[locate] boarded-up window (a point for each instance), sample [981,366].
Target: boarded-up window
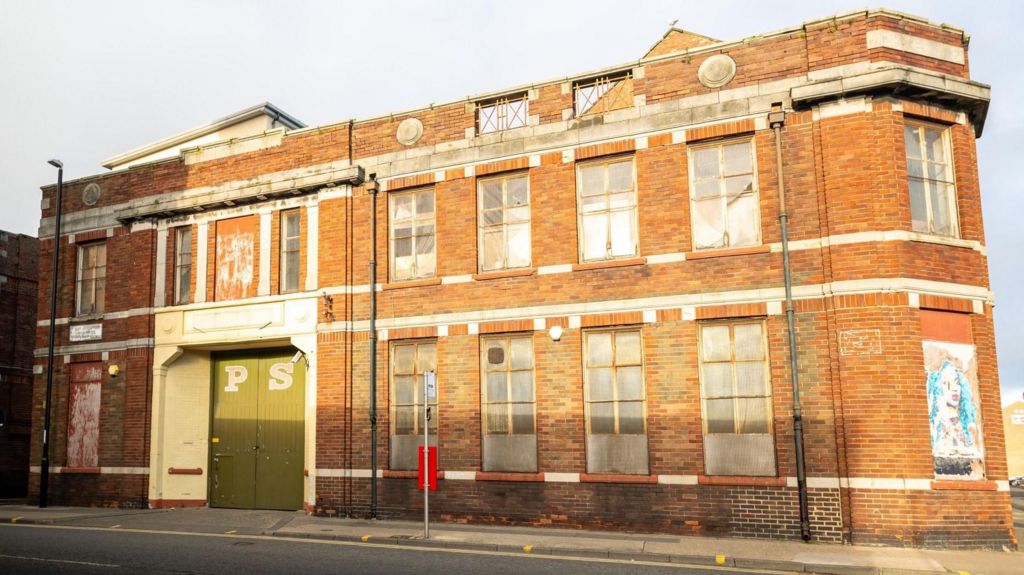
[723,195]
[510,440]
[413,254]
[736,397]
[84,415]
[236,263]
[616,402]
[504,222]
[409,361]
[954,400]
[607,209]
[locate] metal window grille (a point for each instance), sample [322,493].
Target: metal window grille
[502,114]
[587,94]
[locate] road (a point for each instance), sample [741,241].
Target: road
[27,549]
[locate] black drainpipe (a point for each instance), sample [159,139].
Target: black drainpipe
[777,118]
[373,189]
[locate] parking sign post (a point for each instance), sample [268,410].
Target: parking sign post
[429,392]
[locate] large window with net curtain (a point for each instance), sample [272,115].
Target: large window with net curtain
[736,397]
[412,232]
[607,209]
[723,195]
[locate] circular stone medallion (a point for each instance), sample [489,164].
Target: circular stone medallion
[716,71]
[91,194]
[409,131]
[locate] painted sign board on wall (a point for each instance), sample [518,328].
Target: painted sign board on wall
[87,332]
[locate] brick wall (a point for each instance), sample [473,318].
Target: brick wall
[859,272]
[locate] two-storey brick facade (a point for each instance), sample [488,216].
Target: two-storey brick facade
[593,267]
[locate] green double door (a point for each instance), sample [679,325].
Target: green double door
[257,431]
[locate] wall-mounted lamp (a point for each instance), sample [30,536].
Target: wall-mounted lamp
[114,370]
[555,332]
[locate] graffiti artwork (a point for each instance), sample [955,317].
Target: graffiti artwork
[951,372]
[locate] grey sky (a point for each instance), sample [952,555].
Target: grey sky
[83,81]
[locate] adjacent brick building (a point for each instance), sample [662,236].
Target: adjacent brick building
[593,267]
[18,291]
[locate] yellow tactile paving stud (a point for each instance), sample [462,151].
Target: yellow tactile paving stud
[720,559]
[365,538]
[528,548]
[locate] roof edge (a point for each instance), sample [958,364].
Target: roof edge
[266,108]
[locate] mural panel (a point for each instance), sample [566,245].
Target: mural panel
[954,410]
[236,264]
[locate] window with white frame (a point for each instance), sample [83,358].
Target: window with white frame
[413,254]
[615,401]
[92,278]
[504,222]
[502,113]
[607,209]
[510,442]
[737,399]
[410,360]
[182,264]
[289,268]
[930,177]
[723,195]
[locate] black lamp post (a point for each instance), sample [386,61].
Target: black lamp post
[44,471]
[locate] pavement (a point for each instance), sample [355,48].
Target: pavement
[784,556]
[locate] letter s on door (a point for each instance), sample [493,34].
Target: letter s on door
[281,376]
[236,374]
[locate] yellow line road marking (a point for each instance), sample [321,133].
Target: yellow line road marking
[365,538]
[964,573]
[724,569]
[720,559]
[528,548]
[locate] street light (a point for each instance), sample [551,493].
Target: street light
[44,471]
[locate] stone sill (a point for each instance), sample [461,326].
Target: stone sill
[609,264]
[614,478]
[509,476]
[961,485]
[522,272]
[411,284]
[741,480]
[726,252]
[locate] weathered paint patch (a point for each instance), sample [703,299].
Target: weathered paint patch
[84,424]
[235,264]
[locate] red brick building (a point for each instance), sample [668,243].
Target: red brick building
[19,267]
[595,269]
